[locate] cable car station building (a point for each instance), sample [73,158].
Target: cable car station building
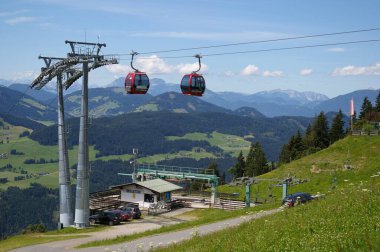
[147,192]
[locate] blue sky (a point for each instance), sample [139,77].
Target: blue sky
[30,28]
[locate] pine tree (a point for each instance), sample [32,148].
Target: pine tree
[285,154]
[297,146]
[337,128]
[250,162]
[239,168]
[260,164]
[366,108]
[293,150]
[377,107]
[213,167]
[321,129]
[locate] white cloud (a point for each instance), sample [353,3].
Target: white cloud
[24,76]
[353,70]
[153,65]
[249,70]
[275,73]
[229,73]
[188,68]
[12,13]
[336,49]
[19,20]
[156,65]
[118,68]
[306,71]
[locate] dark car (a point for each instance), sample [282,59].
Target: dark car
[302,197]
[108,218]
[125,216]
[133,211]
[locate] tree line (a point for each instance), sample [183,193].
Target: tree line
[253,165]
[368,113]
[319,135]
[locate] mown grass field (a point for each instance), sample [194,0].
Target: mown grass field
[19,241]
[347,219]
[323,170]
[228,143]
[47,174]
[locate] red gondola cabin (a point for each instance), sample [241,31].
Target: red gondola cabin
[193,84]
[137,83]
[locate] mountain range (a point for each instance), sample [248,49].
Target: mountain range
[113,100]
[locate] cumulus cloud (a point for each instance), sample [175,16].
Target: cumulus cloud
[12,13]
[156,65]
[306,71]
[229,73]
[249,70]
[355,71]
[24,76]
[188,68]
[336,49]
[275,73]
[19,20]
[118,69]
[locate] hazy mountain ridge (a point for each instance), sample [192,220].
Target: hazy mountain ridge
[21,105]
[113,100]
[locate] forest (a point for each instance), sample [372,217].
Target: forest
[147,131]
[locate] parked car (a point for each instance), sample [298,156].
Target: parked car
[125,216]
[133,211]
[302,197]
[108,218]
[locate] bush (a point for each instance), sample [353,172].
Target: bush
[24,134]
[34,228]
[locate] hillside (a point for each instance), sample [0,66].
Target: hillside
[346,220]
[343,101]
[39,95]
[147,131]
[179,103]
[105,102]
[248,111]
[22,105]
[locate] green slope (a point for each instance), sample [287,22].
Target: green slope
[47,173]
[346,220]
[323,170]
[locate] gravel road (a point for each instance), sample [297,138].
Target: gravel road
[145,243]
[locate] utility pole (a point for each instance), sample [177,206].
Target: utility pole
[88,55]
[65,200]
[83,190]
[135,153]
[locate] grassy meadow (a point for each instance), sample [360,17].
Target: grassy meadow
[347,219]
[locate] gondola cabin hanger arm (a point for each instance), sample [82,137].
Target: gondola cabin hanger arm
[136,82]
[194,83]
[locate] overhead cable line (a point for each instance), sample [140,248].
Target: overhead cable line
[259,41]
[266,50]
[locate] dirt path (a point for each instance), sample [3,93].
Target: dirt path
[145,243]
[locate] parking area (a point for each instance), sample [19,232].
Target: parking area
[146,222]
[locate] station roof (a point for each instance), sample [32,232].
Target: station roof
[156,185]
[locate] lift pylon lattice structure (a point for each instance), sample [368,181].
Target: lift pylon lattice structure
[86,54]
[164,171]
